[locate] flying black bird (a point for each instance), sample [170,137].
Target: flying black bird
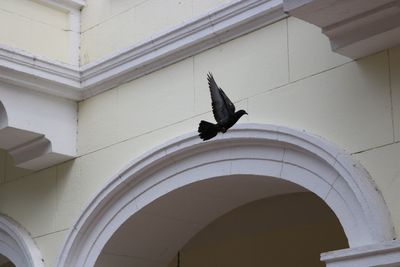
[223,110]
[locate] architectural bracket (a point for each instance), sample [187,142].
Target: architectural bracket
[34,139]
[355,28]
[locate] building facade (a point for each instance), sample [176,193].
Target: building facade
[101,165]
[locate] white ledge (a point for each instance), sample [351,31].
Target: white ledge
[381,254]
[66,4]
[216,27]
[33,72]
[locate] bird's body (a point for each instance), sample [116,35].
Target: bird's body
[223,110]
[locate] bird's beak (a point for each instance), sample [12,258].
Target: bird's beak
[246,113]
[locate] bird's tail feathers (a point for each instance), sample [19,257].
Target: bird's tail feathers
[207,130]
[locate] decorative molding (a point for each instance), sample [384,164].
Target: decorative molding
[17,245]
[72,4]
[37,73]
[355,28]
[355,35]
[378,255]
[247,149]
[216,27]
[66,5]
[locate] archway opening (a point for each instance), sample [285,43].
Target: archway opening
[250,154]
[236,220]
[5,262]
[287,230]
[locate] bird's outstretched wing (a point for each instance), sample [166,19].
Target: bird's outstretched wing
[222,106]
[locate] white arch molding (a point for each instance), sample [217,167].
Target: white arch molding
[17,245]
[247,149]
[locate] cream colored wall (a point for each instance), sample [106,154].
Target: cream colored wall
[31,199]
[282,74]
[110,25]
[284,231]
[34,27]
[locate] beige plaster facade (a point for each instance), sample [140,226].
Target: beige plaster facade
[36,28]
[137,19]
[282,74]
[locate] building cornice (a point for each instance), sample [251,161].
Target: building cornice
[33,72]
[67,5]
[67,81]
[75,4]
[216,27]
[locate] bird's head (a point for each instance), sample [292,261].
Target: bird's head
[240,113]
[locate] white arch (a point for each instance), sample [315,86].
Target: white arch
[17,245]
[250,149]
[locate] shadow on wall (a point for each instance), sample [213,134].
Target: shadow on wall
[288,230]
[375,69]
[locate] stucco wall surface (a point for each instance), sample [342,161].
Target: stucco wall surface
[35,27]
[138,20]
[282,74]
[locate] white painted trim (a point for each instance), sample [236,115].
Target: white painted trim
[17,245]
[72,4]
[66,5]
[186,40]
[331,174]
[381,254]
[33,72]
[216,27]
